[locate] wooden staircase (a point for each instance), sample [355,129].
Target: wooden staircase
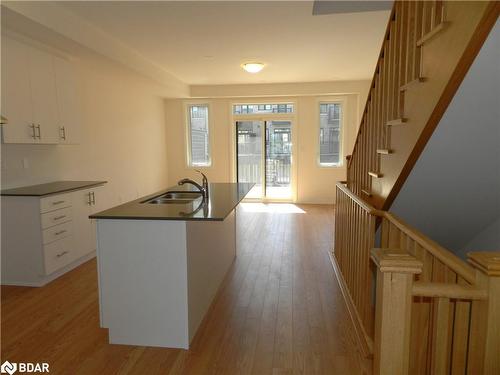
[427,50]
[416,307]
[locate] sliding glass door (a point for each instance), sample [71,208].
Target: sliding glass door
[264,157]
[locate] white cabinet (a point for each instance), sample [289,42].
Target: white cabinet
[43,95]
[42,238]
[39,98]
[69,116]
[16,94]
[85,203]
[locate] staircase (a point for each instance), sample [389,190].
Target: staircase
[415,306]
[427,50]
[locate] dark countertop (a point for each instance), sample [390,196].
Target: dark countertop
[224,197]
[50,188]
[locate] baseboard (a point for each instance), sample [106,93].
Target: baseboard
[365,343]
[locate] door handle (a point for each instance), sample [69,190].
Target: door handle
[90,199]
[93,198]
[61,254]
[39,131]
[63,132]
[33,131]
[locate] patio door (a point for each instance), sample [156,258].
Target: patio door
[264,157]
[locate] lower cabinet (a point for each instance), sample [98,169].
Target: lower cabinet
[44,237]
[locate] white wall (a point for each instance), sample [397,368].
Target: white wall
[123,137]
[314,184]
[453,192]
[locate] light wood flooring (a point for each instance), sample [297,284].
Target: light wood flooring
[279,311]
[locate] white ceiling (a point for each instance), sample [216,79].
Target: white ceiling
[205,42]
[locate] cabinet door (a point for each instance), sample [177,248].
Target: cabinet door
[83,233]
[16,93]
[97,205]
[68,103]
[43,96]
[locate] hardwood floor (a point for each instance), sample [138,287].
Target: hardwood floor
[279,311]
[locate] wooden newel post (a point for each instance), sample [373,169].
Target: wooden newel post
[395,274]
[488,264]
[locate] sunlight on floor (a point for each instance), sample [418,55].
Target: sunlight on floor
[280,208]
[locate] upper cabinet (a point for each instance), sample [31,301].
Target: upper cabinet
[43,96]
[68,102]
[16,94]
[39,98]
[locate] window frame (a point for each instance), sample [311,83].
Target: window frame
[188,143]
[342,103]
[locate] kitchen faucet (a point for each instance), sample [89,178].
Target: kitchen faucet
[202,188]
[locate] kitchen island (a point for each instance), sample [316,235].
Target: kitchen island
[160,264]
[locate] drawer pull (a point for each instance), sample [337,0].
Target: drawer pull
[57,202]
[59,217]
[61,254]
[60,232]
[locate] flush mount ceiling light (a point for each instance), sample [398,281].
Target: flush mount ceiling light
[253,67]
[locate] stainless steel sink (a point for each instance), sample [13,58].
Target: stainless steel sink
[175,197]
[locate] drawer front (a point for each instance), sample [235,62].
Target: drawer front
[57,232]
[59,254]
[56,217]
[55,202]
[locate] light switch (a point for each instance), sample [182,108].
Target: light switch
[25,163]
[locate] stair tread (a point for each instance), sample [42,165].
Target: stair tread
[407,85]
[384,151]
[375,174]
[397,121]
[431,34]
[366,192]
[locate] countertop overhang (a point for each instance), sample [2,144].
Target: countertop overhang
[224,197]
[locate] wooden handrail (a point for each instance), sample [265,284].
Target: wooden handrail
[444,255]
[365,206]
[423,289]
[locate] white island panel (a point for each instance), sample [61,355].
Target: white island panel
[143,282]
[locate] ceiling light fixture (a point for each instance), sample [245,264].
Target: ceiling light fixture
[253,67]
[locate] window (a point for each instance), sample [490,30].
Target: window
[329,134]
[199,141]
[255,109]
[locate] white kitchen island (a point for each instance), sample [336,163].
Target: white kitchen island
[160,265]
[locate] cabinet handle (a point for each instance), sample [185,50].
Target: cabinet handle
[57,202]
[33,132]
[59,217]
[90,199]
[61,254]
[63,132]
[39,131]
[93,198]
[60,232]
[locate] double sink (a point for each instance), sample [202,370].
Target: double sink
[175,197]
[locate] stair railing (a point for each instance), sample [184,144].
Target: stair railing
[416,307]
[427,50]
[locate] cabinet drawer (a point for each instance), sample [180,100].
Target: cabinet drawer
[52,218]
[55,202]
[57,232]
[58,254]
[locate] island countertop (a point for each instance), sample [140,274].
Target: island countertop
[224,197]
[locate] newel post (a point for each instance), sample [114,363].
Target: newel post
[488,265]
[395,274]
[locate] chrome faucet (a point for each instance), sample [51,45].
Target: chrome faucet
[202,188]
